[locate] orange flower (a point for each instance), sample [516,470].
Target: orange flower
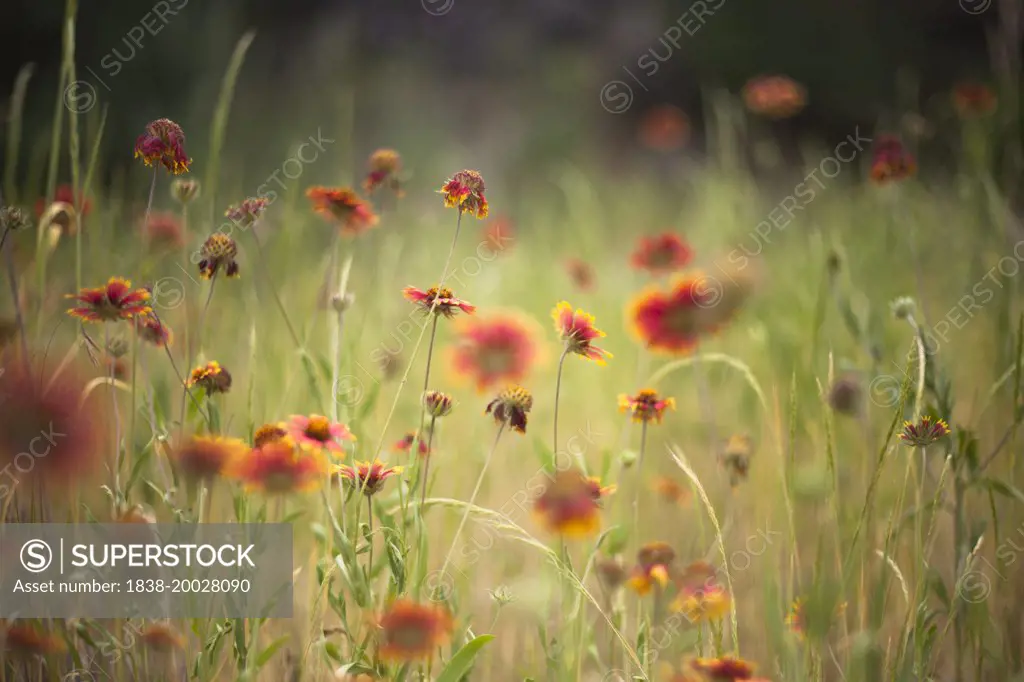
[774,96]
[164,143]
[670,491]
[672,322]
[219,250]
[568,507]
[701,597]
[499,235]
[279,467]
[665,128]
[411,631]
[446,302]
[578,332]
[116,301]
[385,165]
[581,274]
[206,457]
[654,567]
[494,350]
[367,477]
[599,491]
[973,100]
[661,254]
[511,407]
[164,230]
[891,161]
[646,406]
[152,330]
[465,191]
[211,377]
[317,433]
[161,637]
[724,669]
[28,641]
[343,206]
[268,433]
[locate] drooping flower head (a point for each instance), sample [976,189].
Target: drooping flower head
[411,631]
[207,457]
[116,301]
[405,444]
[580,273]
[661,254]
[665,128]
[972,100]
[47,432]
[646,406]
[164,230]
[511,407]
[219,250]
[568,507]
[247,212]
[163,143]
[438,301]
[724,669]
[578,332]
[611,572]
[926,431]
[211,377]
[465,191]
[495,350]
[891,161]
[499,235]
[152,330]
[385,166]
[280,467]
[598,490]
[344,207]
[318,433]
[774,97]
[368,477]
[654,567]
[438,404]
[64,194]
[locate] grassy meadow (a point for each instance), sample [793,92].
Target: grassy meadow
[854,306]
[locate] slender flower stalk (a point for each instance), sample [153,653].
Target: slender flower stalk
[558,391]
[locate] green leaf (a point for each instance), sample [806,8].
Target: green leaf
[462,662]
[1002,488]
[271,649]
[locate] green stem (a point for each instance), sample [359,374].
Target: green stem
[273,290]
[426,466]
[426,386]
[639,484]
[558,391]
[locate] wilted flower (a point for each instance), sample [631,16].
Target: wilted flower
[511,407]
[405,444]
[278,467]
[268,433]
[465,191]
[654,567]
[152,330]
[664,128]
[581,273]
[494,350]
[411,631]
[343,206]
[116,301]
[646,406]
[24,640]
[64,194]
[925,432]
[164,230]
[846,394]
[567,505]
[661,254]
[367,477]
[211,377]
[206,457]
[499,235]
[185,191]
[318,433]
[891,161]
[438,404]
[611,572]
[247,212]
[578,332]
[14,219]
[438,301]
[161,637]
[973,100]
[164,143]
[47,412]
[385,165]
[219,250]
[774,96]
